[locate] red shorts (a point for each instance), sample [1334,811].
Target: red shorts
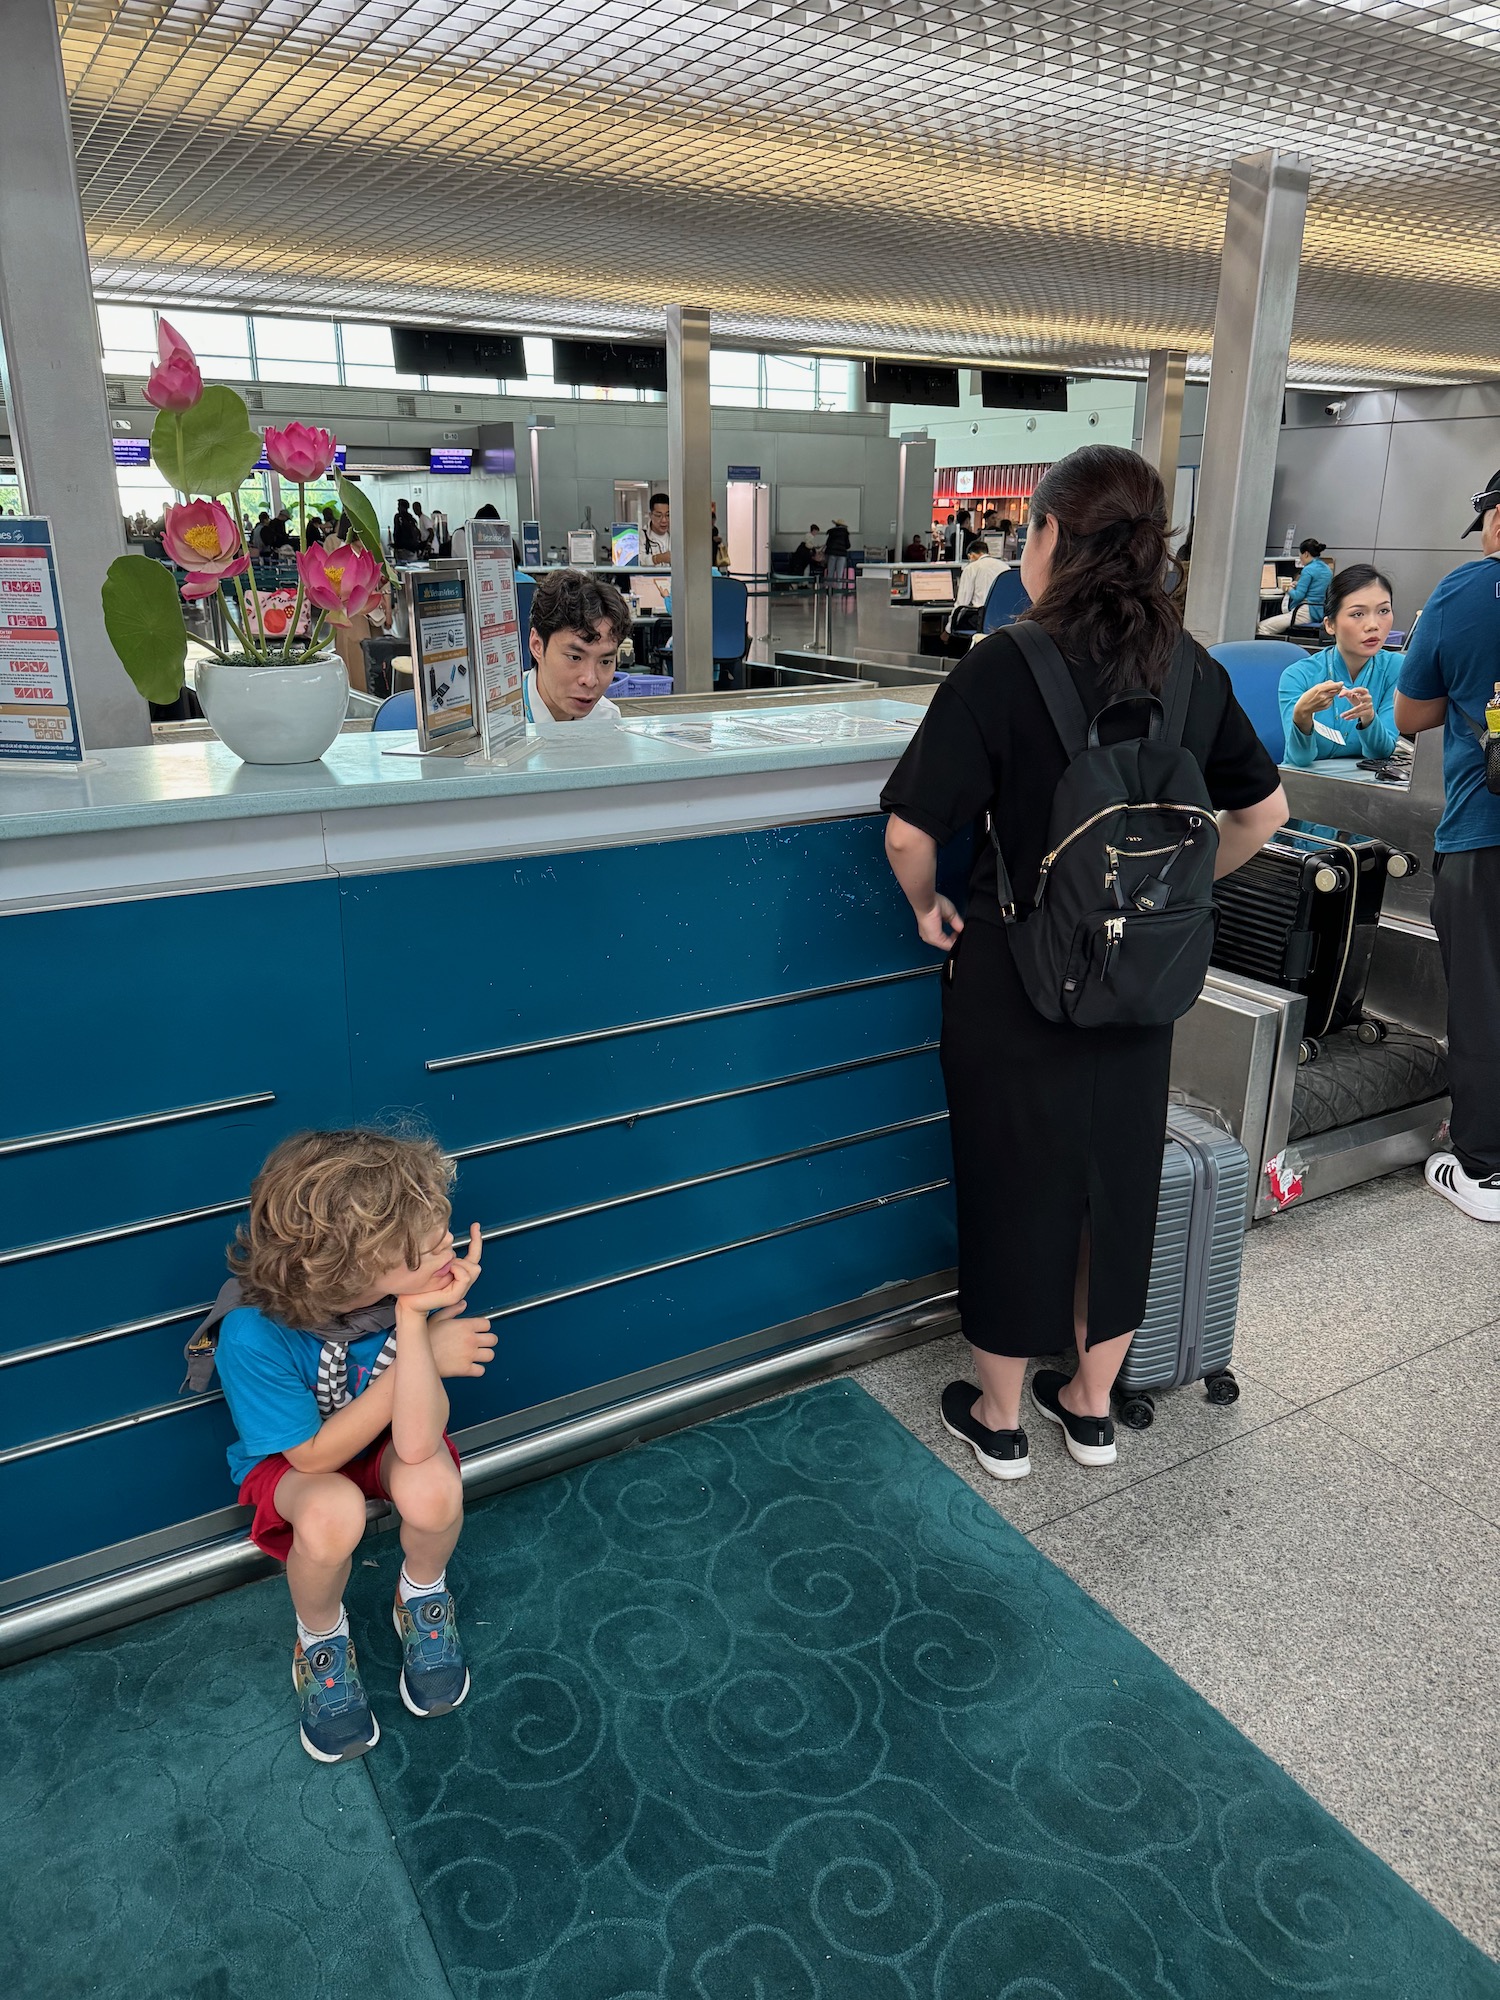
[273,1535]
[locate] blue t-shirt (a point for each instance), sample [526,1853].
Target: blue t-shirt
[269,1375]
[1455,653]
[1311,588]
[1332,734]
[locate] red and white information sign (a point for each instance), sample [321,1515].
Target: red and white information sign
[497,632]
[38,715]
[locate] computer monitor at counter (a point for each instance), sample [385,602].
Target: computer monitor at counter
[931,586]
[1270,582]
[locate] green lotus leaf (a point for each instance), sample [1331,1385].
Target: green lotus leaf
[361,516]
[213,449]
[143,617]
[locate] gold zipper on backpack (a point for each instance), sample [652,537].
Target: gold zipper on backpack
[1194,812]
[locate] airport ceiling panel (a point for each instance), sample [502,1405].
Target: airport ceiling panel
[1043,182]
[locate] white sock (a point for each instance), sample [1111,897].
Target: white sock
[409,1590]
[339,1631]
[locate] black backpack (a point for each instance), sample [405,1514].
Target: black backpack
[1123,921]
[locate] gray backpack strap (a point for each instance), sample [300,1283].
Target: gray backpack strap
[203,1345]
[1050,672]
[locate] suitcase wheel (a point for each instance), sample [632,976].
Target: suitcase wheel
[1371,1032]
[1308,1050]
[1137,1413]
[1221,1388]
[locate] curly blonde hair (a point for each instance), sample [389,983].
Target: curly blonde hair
[331,1211]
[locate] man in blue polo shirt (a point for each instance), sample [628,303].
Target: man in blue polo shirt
[1450,672]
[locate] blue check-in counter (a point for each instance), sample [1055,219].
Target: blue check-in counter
[653,986]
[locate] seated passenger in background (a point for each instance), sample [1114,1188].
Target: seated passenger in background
[1342,702]
[333,1339]
[577,624]
[1304,603]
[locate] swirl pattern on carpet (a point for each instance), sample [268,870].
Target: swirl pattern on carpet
[779,1709]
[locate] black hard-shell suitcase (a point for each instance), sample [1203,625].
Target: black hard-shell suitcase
[1187,1334]
[1303,914]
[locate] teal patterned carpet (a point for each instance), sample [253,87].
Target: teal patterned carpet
[776,1709]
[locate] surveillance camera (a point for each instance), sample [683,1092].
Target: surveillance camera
[1031,423]
[1093,416]
[1333,409]
[973,430]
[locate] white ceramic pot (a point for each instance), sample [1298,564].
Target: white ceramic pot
[275,714]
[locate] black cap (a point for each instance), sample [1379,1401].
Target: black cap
[1491,495]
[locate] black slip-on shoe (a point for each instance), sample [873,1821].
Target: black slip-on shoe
[1003,1454]
[1090,1440]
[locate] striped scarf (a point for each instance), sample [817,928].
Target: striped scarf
[332,1387]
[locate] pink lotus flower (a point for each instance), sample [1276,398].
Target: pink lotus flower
[174,383]
[202,536]
[300,452]
[343,582]
[203,583]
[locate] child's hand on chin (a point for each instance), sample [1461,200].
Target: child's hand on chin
[447,1294]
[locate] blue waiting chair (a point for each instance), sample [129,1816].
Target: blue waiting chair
[1255,667]
[1006,601]
[397,711]
[731,629]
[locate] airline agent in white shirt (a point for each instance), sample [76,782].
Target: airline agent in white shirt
[979,572]
[577,624]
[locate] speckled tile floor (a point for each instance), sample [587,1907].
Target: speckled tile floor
[1318,1559]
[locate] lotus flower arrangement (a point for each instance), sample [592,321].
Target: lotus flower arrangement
[203,444]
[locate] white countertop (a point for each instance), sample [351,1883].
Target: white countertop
[191,816]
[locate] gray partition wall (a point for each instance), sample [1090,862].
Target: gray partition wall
[1386,478]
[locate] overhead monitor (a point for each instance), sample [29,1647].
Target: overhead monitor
[456,350]
[1270,582]
[932,586]
[911,382]
[450,458]
[131,451]
[1022,389]
[609,364]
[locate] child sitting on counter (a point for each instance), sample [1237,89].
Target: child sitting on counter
[333,1338]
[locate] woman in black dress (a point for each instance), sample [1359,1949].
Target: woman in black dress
[1057,1130]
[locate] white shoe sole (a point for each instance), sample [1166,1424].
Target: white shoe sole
[997,1468]
[337,1756]
[407,1702]
[1460,1200]
[1082,1454]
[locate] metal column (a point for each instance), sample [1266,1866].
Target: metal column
[688,486]
[1247,380]
[50,371]
[1165,382]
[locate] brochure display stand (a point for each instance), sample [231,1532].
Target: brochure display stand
[38,712]
[442,669]
[496,623]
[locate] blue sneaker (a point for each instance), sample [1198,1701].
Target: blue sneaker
[434,1677]
[337,1722]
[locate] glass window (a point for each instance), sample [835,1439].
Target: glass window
[368,346]
[791,382]
[296,350]
[835,385]
[221,341]
[466,385]
[127,339]
[368,362]
[734,379]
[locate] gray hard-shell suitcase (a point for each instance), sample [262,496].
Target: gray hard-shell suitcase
[1187,1334]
